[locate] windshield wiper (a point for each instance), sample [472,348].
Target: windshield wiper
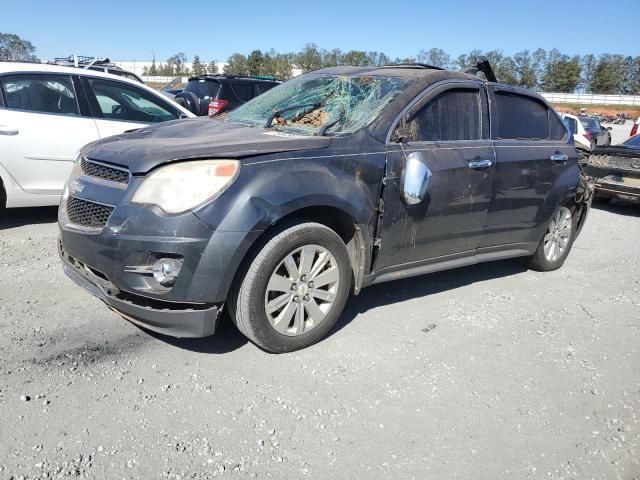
[277,113]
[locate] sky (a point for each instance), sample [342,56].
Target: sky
[142,29]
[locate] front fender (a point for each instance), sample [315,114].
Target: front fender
[264,193]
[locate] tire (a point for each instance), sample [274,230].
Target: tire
[3,197]
[546,260]
[268,281]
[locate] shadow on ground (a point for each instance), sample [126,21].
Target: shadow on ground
[19,217]
[620,207]
[401,290]
[228,338]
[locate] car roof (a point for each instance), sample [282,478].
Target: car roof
[33,67]
[26,67]
[403,71]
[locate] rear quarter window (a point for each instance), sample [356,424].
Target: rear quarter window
[206,89]
[521,118]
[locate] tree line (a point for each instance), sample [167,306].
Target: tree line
[551,71]
[545,70]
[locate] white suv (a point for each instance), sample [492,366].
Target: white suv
[48,112]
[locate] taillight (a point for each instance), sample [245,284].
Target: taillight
[587,135]
[216,106]
[634,130]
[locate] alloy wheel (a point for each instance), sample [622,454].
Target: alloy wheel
[556,240]
[302,290]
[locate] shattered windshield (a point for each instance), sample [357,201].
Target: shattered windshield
[321,104]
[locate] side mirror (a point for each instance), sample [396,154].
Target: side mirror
[415,178]
[609,128]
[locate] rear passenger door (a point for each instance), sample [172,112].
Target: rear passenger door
[532,154]
[449,128]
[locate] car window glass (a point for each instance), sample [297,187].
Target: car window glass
[244,91]
[633,141]
[571,124]
[521,117]
[119,101]
[263,87]
[452,115]
[557,130]
[40,93]
[206,89]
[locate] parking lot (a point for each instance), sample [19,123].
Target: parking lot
[491,371]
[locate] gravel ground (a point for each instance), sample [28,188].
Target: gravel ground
[485,372]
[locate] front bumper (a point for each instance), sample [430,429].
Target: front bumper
[169,318]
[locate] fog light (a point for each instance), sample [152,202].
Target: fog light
[166,271]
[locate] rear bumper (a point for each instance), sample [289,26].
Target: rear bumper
[169,318]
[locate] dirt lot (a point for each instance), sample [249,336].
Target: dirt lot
[485,372]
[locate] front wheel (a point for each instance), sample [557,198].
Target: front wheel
[294,290]
[557,241]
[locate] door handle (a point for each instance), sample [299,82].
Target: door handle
[480,163]
[559,158]
[8,131]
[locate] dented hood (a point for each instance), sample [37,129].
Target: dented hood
[144,149]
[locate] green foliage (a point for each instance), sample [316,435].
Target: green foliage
[14,48]
[539,69]
[197,67]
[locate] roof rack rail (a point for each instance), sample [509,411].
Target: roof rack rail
[272,78]
[483,65]
[413,65]
[80,61]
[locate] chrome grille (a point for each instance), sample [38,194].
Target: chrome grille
[102,171]
[87,214]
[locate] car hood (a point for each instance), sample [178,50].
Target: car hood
[144,149]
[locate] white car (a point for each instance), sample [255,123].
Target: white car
[581,137]
[48,112]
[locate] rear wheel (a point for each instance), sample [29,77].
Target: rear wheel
[294,290]
[557,241]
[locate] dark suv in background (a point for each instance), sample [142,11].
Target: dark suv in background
[333,181]
[214,94]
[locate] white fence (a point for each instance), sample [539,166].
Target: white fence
[591,99]
[163,79]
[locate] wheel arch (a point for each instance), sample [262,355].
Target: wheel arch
[354,235]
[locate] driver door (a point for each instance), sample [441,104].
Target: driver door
[448,130]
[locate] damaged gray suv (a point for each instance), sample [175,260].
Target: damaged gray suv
[333,181]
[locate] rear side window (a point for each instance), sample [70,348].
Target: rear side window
[557,130]
[521,118]
[40,93]
[452,115]
[205,89]
[244,91]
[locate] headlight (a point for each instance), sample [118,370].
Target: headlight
[182,186]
